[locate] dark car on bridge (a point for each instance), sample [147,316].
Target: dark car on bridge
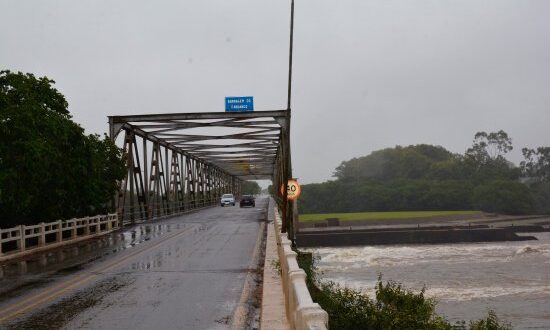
[248,200]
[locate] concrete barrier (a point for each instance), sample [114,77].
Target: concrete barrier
[301,311]
[415,235]
[29,239]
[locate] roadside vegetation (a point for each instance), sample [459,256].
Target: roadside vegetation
[393,307]
[427,177]
[383,215]
[49,168]
[250,188]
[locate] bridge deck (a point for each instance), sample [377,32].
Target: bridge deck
[186,272]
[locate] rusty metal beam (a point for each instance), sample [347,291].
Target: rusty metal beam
[189,169]
[197,115]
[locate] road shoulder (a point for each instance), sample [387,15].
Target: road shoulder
[273,301]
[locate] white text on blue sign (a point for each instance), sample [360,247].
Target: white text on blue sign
[239,103]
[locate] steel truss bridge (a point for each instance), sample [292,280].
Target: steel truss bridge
[183,161]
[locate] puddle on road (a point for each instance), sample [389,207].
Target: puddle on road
[41,269]
[70,269]
[73,258]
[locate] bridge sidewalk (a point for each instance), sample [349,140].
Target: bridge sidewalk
[273,315]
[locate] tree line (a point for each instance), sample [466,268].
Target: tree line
[428,177]
[250,188]
[49,168]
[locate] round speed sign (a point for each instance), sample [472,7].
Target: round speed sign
[293,190]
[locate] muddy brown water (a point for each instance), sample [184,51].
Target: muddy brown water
[511,278]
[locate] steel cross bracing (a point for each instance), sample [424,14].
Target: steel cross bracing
[177,162]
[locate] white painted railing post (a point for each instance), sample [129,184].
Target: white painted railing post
[42,237]
[18,235]
[87,227]
[59,235]
[22,243]
[93,221]
[292,296]
[73,229]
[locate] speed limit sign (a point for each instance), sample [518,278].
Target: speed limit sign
[293,190]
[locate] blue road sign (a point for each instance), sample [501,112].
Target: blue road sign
[239,103]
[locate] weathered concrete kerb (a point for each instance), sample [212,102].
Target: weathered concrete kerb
[301,311]
[273,315]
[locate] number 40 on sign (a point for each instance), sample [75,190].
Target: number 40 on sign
[293,190]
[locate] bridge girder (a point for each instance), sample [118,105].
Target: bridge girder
[189,165]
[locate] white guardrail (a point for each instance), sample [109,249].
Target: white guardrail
[301,311]
[21,240]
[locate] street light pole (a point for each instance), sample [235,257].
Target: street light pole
[290,55]
[288,206]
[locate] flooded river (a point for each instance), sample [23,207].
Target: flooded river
[512,278]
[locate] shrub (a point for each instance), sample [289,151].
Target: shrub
[394,306]
[541,195]
[503,196]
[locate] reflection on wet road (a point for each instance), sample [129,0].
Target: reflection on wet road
[183,273]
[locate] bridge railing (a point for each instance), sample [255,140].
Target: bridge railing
[154,211]
[301,311]
[23,239]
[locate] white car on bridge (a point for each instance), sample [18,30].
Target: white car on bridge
[227,199]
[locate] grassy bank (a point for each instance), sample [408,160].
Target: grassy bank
[393,308]
[384,215]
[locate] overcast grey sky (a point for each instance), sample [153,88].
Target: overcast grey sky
[367,74]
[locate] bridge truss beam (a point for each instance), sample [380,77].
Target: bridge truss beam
[183,161]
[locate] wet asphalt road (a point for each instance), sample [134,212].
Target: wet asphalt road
[186,272]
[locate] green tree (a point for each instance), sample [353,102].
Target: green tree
[503,196]
[250,188]
[536,169]
[426,177]
[537,163]
[489,147]
[49,169]
[541,196]
[451,169]
[411,162]
[485,160]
